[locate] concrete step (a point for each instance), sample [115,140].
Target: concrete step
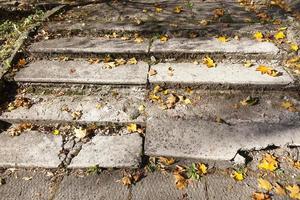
[82,72]
[215,125]
[226,74]
[175,47]
[112,107]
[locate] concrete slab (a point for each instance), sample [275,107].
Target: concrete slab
[30,149]
[204,46]
[223,74]
[110,152]
[93,109]
[88,45]
[82,72]
[162,186]
[192,137]
[94,187]
[16,187]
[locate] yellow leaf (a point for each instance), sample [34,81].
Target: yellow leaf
[297,164]
[238,176]
[279,190]
[166,161]
[120,61]
[55,132]
[248,64]
[294,191]
[131,127]
[258,36]
[126,180]
[142,108]
[269,163]
[294,47]
[268,70]
[171,100]
[289,106]
[279,35]
[209,62]
[178,9]
[223,39]
[164,38]
[139,40]
[202,168]
[187,101]
[156,89]
[180,181]
[264,184]
[158,9]
[132,61]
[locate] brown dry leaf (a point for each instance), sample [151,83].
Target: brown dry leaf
[76,115]
[110,65]
[132,61]
[209,62]
[269,162]
[80,132]
[93,61]
[263,16]
[279,190]
[177,9]
[289,106]
[171,101]
[127,180]
[152,72]
[180,181]
[261,196]
[20,128]
[203,22]
[21,62]
[120,61]
[164,38]
[158,9]
[219,12]
[139,39]
[166,161]
[268,70]
[20,102]
[297,164]
[264,184]
[294,191]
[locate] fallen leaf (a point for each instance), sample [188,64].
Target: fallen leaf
[178,9]
[249,101]
[258,36]
[120,61]
[268,162]
[279,190]
[294,47]
[152,72]
[21,62]
[219,12]
[180,181]
[110,65]
[20,128]
[264,184]
[289,106]
[166,161]
[237,175]
[142,108]
[203,22]
[209,62]
[139,40]
[297,164]
[248,64]
[187,101]
[223,39]
[55,132]
[93,61]
[132,127]
[158,9]
[126,180]
[171,101]
[268,70]
[261,196]
[294,191]
[132,61]
[76,115]
[202,168]
[164,38]
[279,35]
[80,132]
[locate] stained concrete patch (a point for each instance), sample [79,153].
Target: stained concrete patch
[198,45]
[162,186]
[222,74]
[110,151]
[82,72]
[192,137]
[30,149]
[88,45]
[103,186]
[18,187]
[53,109]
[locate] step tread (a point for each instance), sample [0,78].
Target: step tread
[89,45]
[93,109]
[200,139]
[45,71]
[110,151]
[30,149]
[224,73]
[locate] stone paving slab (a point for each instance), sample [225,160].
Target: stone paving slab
[30,149]
[16,188]
[204,46]
[162,186]
[192,137]
[110,152]
[53,109]
[94,187]
[88,45]
[223,74]
[82,72]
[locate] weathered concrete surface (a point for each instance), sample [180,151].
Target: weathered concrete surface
[16,186]
[110,151]
[224,74]
[226,188]
[202,46]
[87,45]
[94,187]
[53,109]
[192,137]
[82,72]
[162,186]
[30,149]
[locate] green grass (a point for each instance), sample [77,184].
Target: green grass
[11,30]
